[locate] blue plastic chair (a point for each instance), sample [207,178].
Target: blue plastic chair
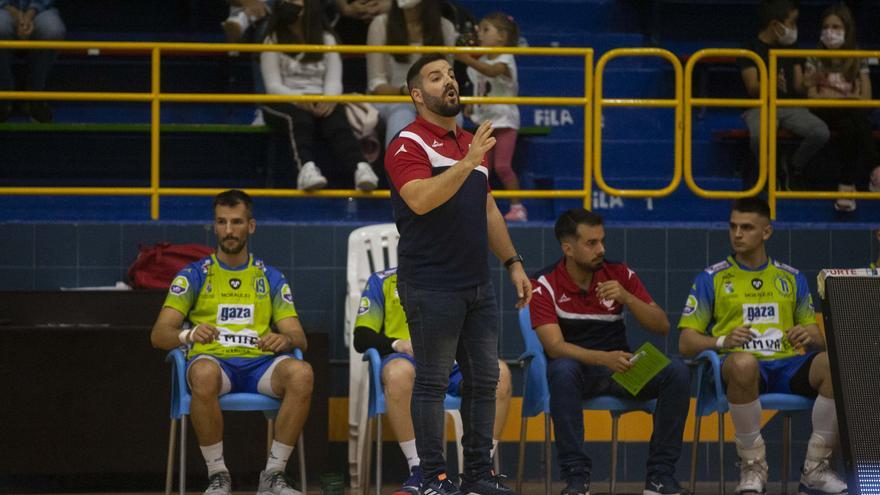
[376,409]
[536,400]
[180,401]
[712,399]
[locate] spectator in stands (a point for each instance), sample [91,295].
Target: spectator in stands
[495,75]
[381,325]
[350,20]
[36,20]
[408,22]
[302,22]
[844,78]
[247,19]
[778,29]
[231,345]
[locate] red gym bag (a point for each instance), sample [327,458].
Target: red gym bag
[156,266]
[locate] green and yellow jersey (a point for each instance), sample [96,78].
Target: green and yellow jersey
[772,299]
[241,302]
[380,309]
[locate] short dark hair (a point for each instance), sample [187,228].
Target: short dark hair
[775,10]
[234,197]
[752,205]
[567,223]
[412,75]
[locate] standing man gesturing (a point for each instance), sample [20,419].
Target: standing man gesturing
[448,221]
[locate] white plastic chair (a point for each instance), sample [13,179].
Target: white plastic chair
[370,249]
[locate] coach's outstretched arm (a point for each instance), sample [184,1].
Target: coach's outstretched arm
[503,249]
[423,195]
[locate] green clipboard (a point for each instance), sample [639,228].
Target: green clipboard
[648,362]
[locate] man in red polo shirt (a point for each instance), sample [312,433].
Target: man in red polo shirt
[577,309]
[448,222]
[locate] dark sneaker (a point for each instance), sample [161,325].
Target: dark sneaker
[493,484]
[662,484]
[40,112]
[275,483]
[439,485]
[219,484]
[576,486]
[411,485]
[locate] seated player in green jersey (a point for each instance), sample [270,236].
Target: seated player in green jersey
[222,308]
[757,313]
[381,324]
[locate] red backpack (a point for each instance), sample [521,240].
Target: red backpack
[156,266]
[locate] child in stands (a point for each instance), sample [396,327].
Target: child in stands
[495,75]
[844,78]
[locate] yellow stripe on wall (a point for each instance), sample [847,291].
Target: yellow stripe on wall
[634,427]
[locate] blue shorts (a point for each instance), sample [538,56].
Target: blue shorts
[454,376]
[251,375]
[786,376]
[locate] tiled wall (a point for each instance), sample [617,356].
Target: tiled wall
[49,256]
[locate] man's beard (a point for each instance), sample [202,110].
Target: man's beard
[440,106]
[590,267]
[235,249]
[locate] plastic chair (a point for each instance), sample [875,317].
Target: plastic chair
[536,400]
[180,401]
[370,249]
[451,404]
[712,399]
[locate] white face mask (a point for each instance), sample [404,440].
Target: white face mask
[788,36]
[405,4]
[833,38]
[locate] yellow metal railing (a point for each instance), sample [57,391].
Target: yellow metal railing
[774,103]
[600,101]
[690,102]
[155,97]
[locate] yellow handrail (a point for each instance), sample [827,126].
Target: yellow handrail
[690,101]
[155,97]
[599,101]
[773,194]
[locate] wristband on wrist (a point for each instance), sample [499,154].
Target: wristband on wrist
[395,341]
[185,335]
[517,258]
[720,342]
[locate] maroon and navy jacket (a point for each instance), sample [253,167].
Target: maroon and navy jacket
[446,248]
[585,320]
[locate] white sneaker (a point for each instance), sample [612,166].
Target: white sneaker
[818,478]
[845,204]
[752,468]
[517,213]
[310,178]
[219,484]
[275,483]
[364,177]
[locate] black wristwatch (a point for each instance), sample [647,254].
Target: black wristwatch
[517,258]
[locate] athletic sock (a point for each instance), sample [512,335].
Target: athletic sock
[409,451]
[824,429]
[747,422]
[213,455]
[278,455]
[494,448]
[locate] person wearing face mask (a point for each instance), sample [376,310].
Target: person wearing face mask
[844,78]
[408,22]
[301,22]
[778,29]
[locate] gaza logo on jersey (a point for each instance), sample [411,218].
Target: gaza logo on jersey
[761,313]
[235,314]
[286,295]
[179,285]
[690,306]
[364,306]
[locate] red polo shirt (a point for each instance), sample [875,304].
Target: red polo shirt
[585,320]
[446,248]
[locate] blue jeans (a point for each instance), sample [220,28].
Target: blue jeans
[446,326]
[47,27]
[571,382]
